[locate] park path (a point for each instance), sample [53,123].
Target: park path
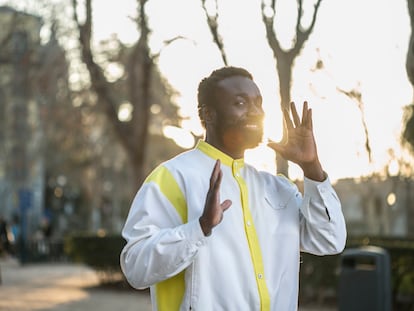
[62,287]
[67,287]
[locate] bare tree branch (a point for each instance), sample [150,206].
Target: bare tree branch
[357,97]
[9,32]
[212,21]
[168,43]
[133,134]
[302,35]
[98,80]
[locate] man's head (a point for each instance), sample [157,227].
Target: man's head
[230,108]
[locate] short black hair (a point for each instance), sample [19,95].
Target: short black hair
[206,88]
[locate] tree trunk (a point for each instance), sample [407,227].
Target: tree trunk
[285,59]
[408,134]
[284,70]
[410,52]
[408,131]
[133,135]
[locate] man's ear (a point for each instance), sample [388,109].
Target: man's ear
[209,114]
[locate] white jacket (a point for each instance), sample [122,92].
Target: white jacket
[251,260]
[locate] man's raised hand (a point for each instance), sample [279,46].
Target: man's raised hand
[300,146]
[213,209]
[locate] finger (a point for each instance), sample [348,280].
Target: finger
[215,174]
[310,126]
[278,148]
[226,204]
[288,121]
[218,181]
[295,115]
[305,112]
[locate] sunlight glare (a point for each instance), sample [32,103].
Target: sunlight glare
[181,137]
[393,168]
[391,199]
[262,158]
[114,71]
[125,112]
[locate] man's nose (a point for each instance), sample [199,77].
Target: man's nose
[255,110]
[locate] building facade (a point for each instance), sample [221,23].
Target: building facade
[22,140]
[378,206]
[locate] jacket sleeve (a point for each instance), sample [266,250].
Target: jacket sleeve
[158,244]
[322,224]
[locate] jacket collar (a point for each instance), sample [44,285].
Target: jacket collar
[214,153]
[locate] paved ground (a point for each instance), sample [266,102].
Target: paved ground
[62,287]
[66,287]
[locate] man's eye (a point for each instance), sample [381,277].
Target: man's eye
[240,103]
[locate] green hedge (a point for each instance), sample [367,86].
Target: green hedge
[98,252]
[318,275]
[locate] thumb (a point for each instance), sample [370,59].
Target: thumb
[226,204]
[278,147]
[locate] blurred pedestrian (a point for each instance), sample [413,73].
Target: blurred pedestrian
[5,245]
[15,231]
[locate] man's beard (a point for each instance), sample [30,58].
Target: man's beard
[248,131]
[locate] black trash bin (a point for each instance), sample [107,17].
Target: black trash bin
[365,280]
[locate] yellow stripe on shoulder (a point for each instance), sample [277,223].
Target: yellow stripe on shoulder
[169,187]
[170,293]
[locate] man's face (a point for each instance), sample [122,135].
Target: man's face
[238,113]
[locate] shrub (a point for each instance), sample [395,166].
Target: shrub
[98,252]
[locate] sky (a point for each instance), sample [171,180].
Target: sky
[362,44]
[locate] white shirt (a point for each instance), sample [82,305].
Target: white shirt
[251,260]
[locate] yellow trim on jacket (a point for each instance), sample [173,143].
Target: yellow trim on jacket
[170,292]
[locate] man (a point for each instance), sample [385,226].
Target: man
[207,231]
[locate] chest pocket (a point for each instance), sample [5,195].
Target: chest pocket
[280,198]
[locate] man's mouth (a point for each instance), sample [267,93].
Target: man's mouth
[252,126]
